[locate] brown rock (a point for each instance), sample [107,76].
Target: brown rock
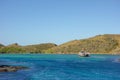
[7,68]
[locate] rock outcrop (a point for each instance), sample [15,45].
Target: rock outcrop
[8,68]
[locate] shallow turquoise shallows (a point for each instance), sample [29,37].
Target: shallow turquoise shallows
[61,67]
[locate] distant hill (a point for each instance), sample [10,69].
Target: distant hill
[12,48]
[108,43]
[16,48]
[38,48]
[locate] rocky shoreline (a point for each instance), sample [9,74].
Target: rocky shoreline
[9,68]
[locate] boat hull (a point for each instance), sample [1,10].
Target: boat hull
[84,54]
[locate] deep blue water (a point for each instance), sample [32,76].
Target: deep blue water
[61,67]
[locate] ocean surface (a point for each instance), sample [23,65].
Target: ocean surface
[61,67]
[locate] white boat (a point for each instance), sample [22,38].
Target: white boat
[86,54]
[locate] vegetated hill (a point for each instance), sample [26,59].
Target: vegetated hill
[38,48]
[15,48]
[12,48]
[108,43]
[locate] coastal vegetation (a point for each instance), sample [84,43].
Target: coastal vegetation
[98,44]
[107,43]
[16,48]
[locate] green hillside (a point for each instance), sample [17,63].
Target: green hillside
[108,43]
[38,48]
[15,48]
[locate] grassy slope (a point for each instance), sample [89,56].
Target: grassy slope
[108,43]
[15,48]
[38,48]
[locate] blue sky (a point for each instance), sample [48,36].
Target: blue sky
[56,21]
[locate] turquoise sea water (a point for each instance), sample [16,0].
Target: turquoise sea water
[61,67]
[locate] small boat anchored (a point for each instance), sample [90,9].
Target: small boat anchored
[86,54]
[83,53]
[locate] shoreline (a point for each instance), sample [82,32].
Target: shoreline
[65,53]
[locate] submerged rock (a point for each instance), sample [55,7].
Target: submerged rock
[8,68]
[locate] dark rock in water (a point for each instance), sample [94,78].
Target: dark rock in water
[8,68]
